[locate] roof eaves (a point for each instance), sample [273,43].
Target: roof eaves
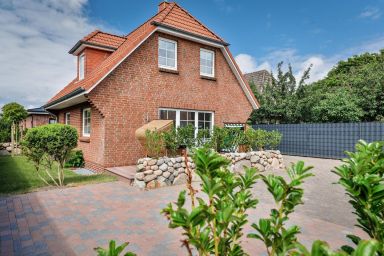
[79,43]
[65,97]
[159,24]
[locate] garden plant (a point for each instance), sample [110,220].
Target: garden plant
[48,145]
[214,224]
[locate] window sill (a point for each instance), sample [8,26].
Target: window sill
[85,139]
[208,77]
[171,71]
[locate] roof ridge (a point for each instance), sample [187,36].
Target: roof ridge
[198,21]
[145,22]
[170,7]
[90,35]
[121,36]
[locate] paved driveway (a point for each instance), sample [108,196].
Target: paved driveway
[73,221]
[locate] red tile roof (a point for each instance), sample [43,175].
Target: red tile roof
[101,38]
[172,16]
[179,18]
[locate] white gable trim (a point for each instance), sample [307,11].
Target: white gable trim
[195,39]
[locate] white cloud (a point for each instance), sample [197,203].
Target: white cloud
[35,36]
[248,64]
[370,13]
[321,64]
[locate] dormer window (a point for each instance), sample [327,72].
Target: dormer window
[81,66]
[167,54]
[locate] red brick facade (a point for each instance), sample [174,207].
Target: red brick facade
[93,58]
[136,90]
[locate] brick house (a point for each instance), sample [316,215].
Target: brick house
[170,67]
[37,117]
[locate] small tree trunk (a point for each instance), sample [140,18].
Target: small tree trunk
[12,138]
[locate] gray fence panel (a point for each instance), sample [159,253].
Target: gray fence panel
[327,140]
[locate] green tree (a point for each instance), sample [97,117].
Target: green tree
[362,76]
[5,130]
[14,113]
[339,105]
[279,100]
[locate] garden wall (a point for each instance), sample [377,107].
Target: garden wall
[166,171]
[7,147]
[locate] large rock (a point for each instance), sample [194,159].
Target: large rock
[160,161]
[162,182]
[140,167]
[139,176]
[166,174]
[255,159]
[150,177]
[148,172]
[181,179]
[158,172]
[154,167]
[163,167]
[238,167]
[152,162]
[139,184]
[275,163]
[260,167]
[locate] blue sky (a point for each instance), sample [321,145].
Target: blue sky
[38,34]
[258,27]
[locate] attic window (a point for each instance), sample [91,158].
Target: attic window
[81,66]
[207,63]
[167,54]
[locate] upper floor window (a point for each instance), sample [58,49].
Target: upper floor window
[81,66]
[86,122]
[167,54]
[207,63]
[68,118]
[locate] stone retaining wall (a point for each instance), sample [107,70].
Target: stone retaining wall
[8,148]
[166,171]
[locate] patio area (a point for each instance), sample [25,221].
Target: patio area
[73,221]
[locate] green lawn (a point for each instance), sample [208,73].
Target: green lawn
[17,175]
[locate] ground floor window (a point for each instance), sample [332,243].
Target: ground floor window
[199,119]
[86,122]
[68,118]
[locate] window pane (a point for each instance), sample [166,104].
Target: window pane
[162,44]
[208,116]
[170,46]
[183,123]
[201,116]
[162,61]
[162,53]
[171,55]
[172,115]
[191,116]
[163,114]
[183,115]
[171,63]
[201,125]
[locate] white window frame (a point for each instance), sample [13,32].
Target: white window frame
[68,120]
[85,134]
[158,55]
[213,62]
[196,117]
[81,66]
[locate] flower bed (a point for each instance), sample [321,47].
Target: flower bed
[167,171]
